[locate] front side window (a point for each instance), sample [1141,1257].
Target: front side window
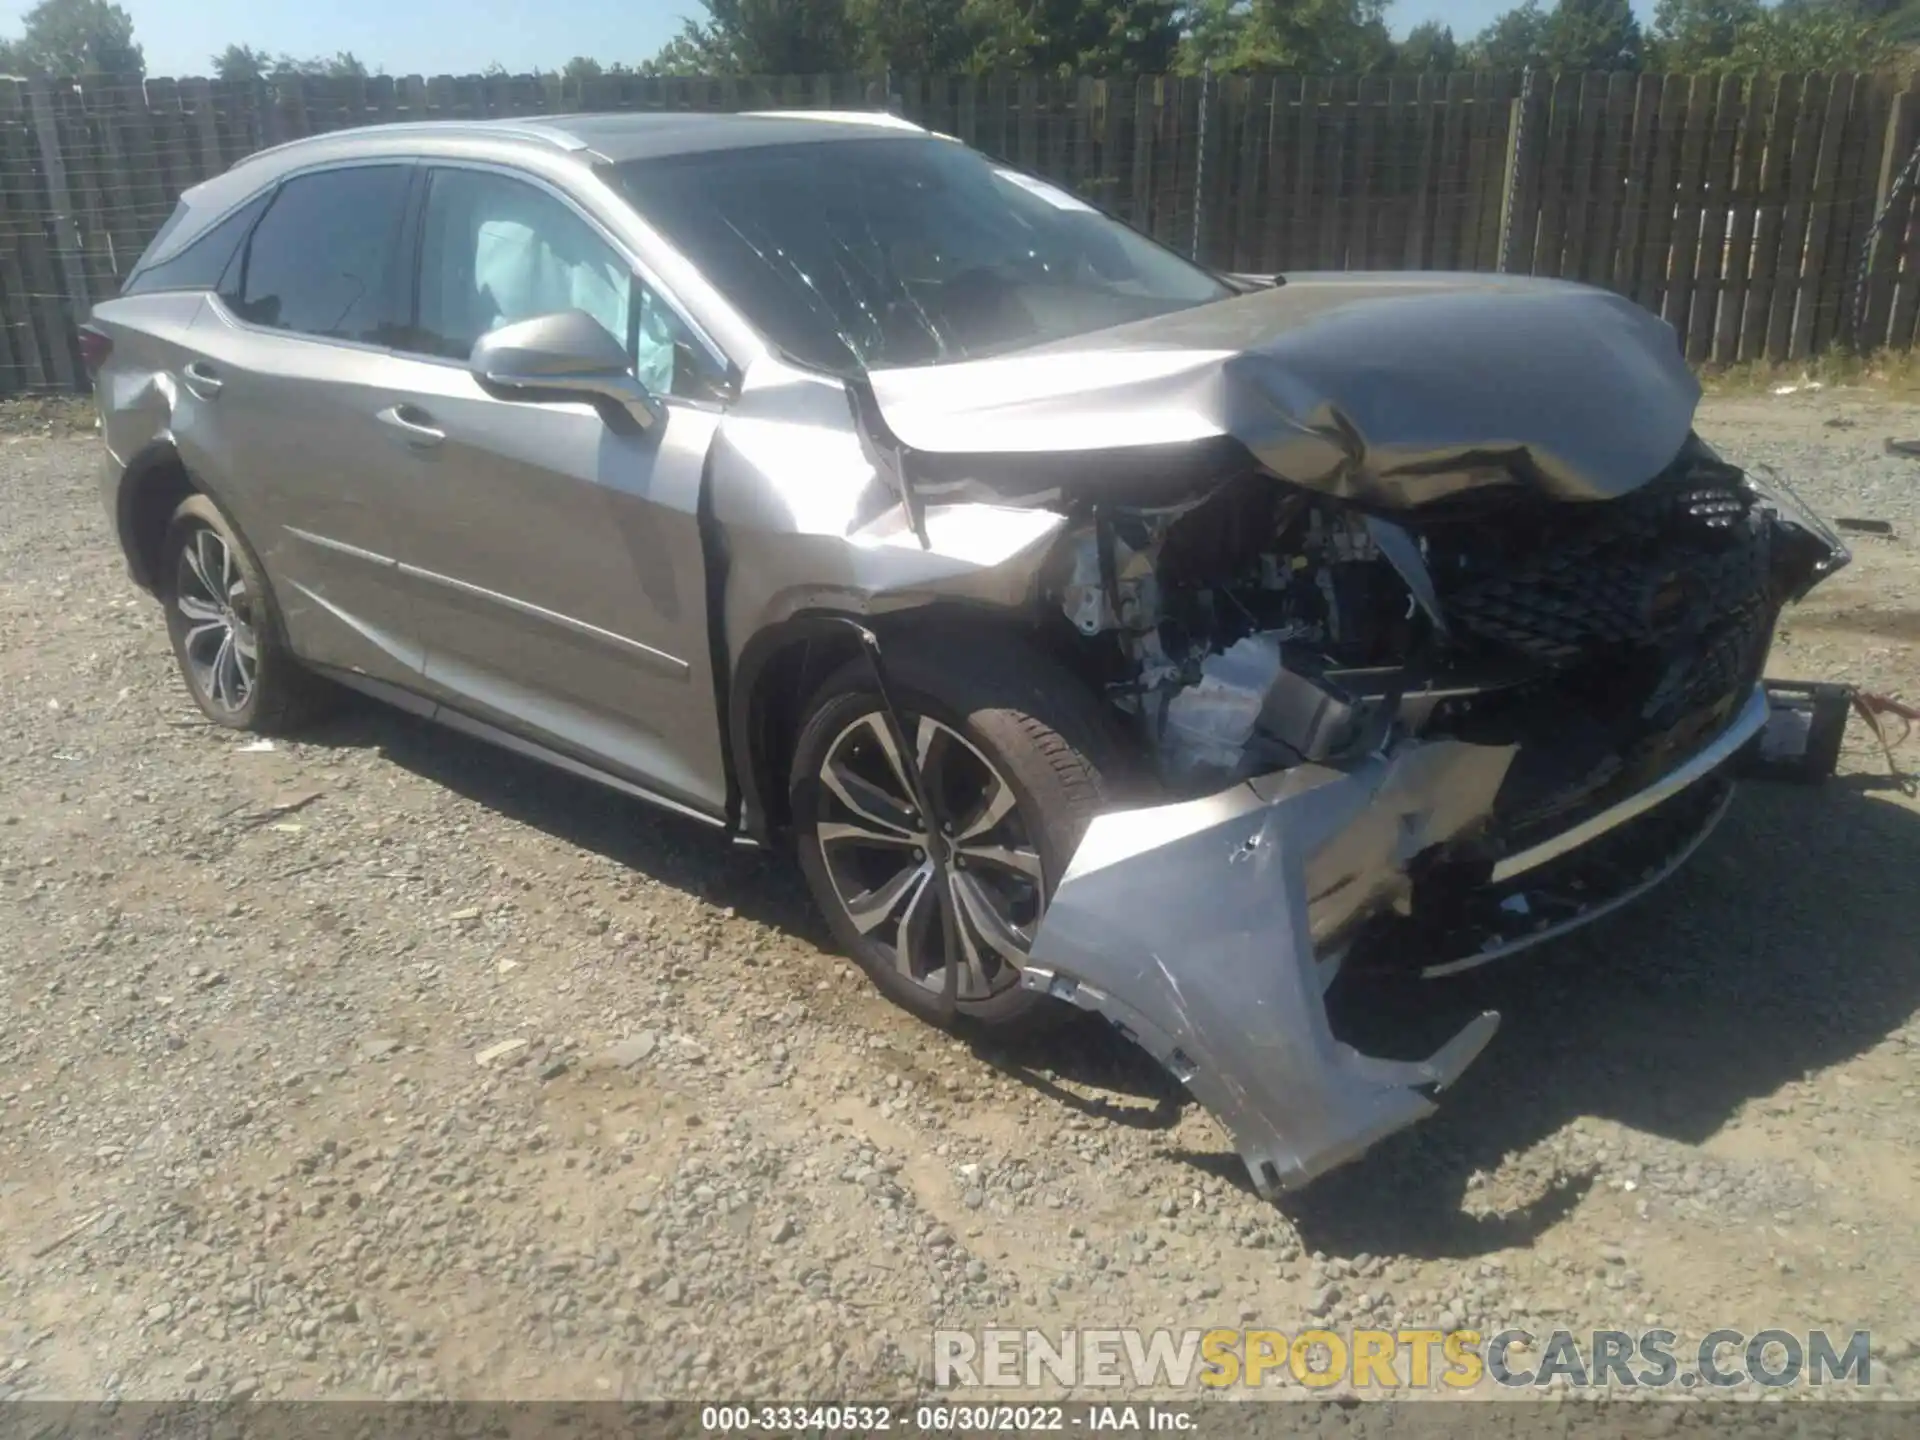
[322,259]
[495,250]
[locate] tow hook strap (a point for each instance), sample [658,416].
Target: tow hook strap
[1870,707]
[937,852]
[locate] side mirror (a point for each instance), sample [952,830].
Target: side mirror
[564,355]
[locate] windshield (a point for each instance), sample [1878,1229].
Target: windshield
[901,251]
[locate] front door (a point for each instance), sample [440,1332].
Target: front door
[561,584]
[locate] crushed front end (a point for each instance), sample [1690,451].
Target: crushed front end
[1420,738]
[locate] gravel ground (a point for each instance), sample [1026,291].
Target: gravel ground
[383,1064]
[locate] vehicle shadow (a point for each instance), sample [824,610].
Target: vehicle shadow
[671,849]
[1084,1053]
[1783,947]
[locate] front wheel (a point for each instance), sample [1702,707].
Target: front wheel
[1017,758]
[226,633]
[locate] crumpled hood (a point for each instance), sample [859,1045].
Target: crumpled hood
[1393,390]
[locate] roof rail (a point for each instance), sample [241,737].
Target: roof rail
[538,134]
[882,119]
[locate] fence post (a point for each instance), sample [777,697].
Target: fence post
[1200,159]
[1880,256]
[1516,156]
[46,130]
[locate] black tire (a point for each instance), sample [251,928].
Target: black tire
[1038,726]
[280,694]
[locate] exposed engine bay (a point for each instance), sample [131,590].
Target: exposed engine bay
[1230,616]
[1264,627]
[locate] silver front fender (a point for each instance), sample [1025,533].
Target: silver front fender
[1194,928]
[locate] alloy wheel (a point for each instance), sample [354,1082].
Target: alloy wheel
[221,649]
[879,851]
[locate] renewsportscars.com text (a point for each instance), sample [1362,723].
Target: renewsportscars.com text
[1408,1359]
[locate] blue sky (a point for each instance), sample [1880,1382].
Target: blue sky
[438,37]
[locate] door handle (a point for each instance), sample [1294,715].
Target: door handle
[202,379]
[413,424]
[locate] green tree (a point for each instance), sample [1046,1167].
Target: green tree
[575,74]
[762,37]
[1573,35]
[1824,37]
[1902,27]
[789,37]
[342,65]
[1515,40]
[76,37]
[1311,35]
[1102,36]
[1700,34]
[1741,36]
[1594,35]
[1213,31]
[242,62]
[1429,46]
[915,35]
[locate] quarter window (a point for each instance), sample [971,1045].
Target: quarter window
[202,264]
[495,250]
[321,261]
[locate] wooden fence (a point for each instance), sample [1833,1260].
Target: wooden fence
[1763,217]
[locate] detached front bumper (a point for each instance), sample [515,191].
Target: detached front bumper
[1197,928]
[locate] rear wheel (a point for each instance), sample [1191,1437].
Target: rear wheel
[226,633]
[1017,758]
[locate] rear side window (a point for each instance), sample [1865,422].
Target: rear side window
[323,259]
[203,264]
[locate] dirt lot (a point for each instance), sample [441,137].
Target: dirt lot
[246,1146]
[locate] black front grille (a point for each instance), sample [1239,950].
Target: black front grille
[1554,585]
[1647,618]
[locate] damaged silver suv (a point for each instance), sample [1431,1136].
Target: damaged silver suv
[1099,629]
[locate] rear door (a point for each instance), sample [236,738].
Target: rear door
[562,580]
[281,406]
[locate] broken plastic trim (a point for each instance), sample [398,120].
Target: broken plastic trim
[1402,552]
[1747,722]
[1655,879]
[890,459]
[1190,928]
